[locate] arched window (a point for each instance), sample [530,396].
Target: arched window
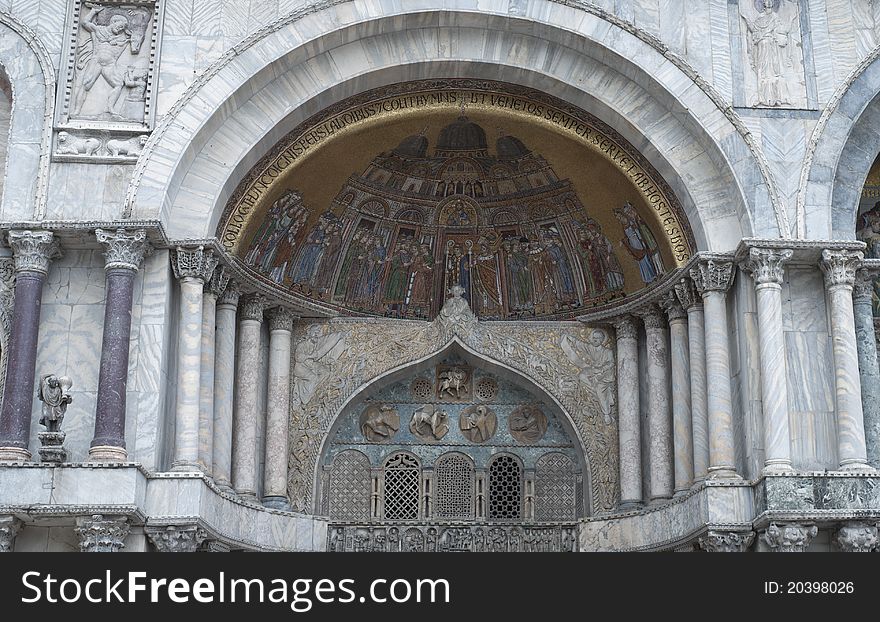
[454,486]
[505,488]
[555,488]
[402,487]
[350,486]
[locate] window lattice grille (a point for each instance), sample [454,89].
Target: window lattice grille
[350,486]
[505,489]
[555,488]
[454,476]
[402,475]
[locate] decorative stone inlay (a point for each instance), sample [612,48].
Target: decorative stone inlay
[674,310]
[219,281]
[712,275]
[33,250]
[789,537]
[230,295]
[251,307]
[9,528]
[193,262]
[857,537]
[177,538]
[102,534]
[281,318]
[687,293]
[727,541]
[124,250]
[840,266]
[767,265]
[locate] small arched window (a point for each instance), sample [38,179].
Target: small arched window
[454,487]
[505,488]
[350,486]
[402,488]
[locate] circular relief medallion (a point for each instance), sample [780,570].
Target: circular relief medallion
[379,423]
[429,423]
[527,424]
[477,423]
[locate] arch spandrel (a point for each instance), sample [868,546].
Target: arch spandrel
[566,361]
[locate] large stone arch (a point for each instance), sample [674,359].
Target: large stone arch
[28,67]
[325,52]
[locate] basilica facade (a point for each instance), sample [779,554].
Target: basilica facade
[471,275]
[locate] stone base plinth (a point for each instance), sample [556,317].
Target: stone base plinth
[52,450]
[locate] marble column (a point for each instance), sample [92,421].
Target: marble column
[32,252]
[659,419]
[123,254]
[840,274]
[193,266]
[278,409]
[682,445]
[766,267]
[712,278]
[244,443]
[224,383]
[176,538]
[213,288]
[692,302]
[9,528]
[869,371]
[789,537]
[102,534]
[629,430]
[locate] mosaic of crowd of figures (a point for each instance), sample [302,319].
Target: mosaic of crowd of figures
[501,225]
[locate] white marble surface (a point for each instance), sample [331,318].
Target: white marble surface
[659,438]
[206,382]
[722,456]
[224,391]
[629,425]
[699,405]
[244,439]
[277,414]
[189,339]
[682,423]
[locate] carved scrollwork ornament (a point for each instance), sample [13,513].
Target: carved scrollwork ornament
[863,287]
[251,307]
[626,328]
[123,249]
[100,534]
[193,262]
[281,318]
[840,267]
[789,537]
[687,294]
[857,537]
[727,541]
[9,528]
[176,539]
[712,275]
[767,266]
[219,281]
[33,250]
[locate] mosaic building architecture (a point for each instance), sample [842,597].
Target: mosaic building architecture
[471,275]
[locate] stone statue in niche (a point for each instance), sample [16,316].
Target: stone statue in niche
[54,392]
[453,383]
[771,34]
[527,424]
[477,423]
[379,423]
[595,360]
[429,423]
[312,361]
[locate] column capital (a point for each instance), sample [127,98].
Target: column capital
[33,250]
[252,307]
[176,538]
[124,249]
[713,275]
[857,537]
[674,310]
[218,282]
[653,317]
[281,318]
[766,265]
[9,528]
[626,327]
[789,537]
[230,295]
[194,262]
[102,534]
[840,266]
[727,541]
[863,287]
[687,293]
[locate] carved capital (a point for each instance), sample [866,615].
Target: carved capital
[727,541]
[687,293]
[713,275]
[856,537]
[219,281]
[124,249]
[840,266]
[789,537]
[176,539]
[193,262]
[251,307]
[653,318]
[863,288]
[766,265]
[230,295]
[673,308]
[33,250]
[102,534]
[9,528]
[281,318]
[626,327]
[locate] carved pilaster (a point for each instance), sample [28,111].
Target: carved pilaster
[193,262]
[123,249]
[767,265]
[840,267]
[176,538]
[674,309]
[789,537]
[102,534]
[856,537]
[33,250]
[727,541]
[219,281]
[9,528]
[712,275]
[251,307]
[281,318]
[687,293]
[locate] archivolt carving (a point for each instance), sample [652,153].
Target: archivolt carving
[373,348]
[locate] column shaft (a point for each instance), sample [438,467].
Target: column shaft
[224,383]
[869,371]
[681,396]
[244,445]
[278,410]
[659,420]
[629,432]
[206,381]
